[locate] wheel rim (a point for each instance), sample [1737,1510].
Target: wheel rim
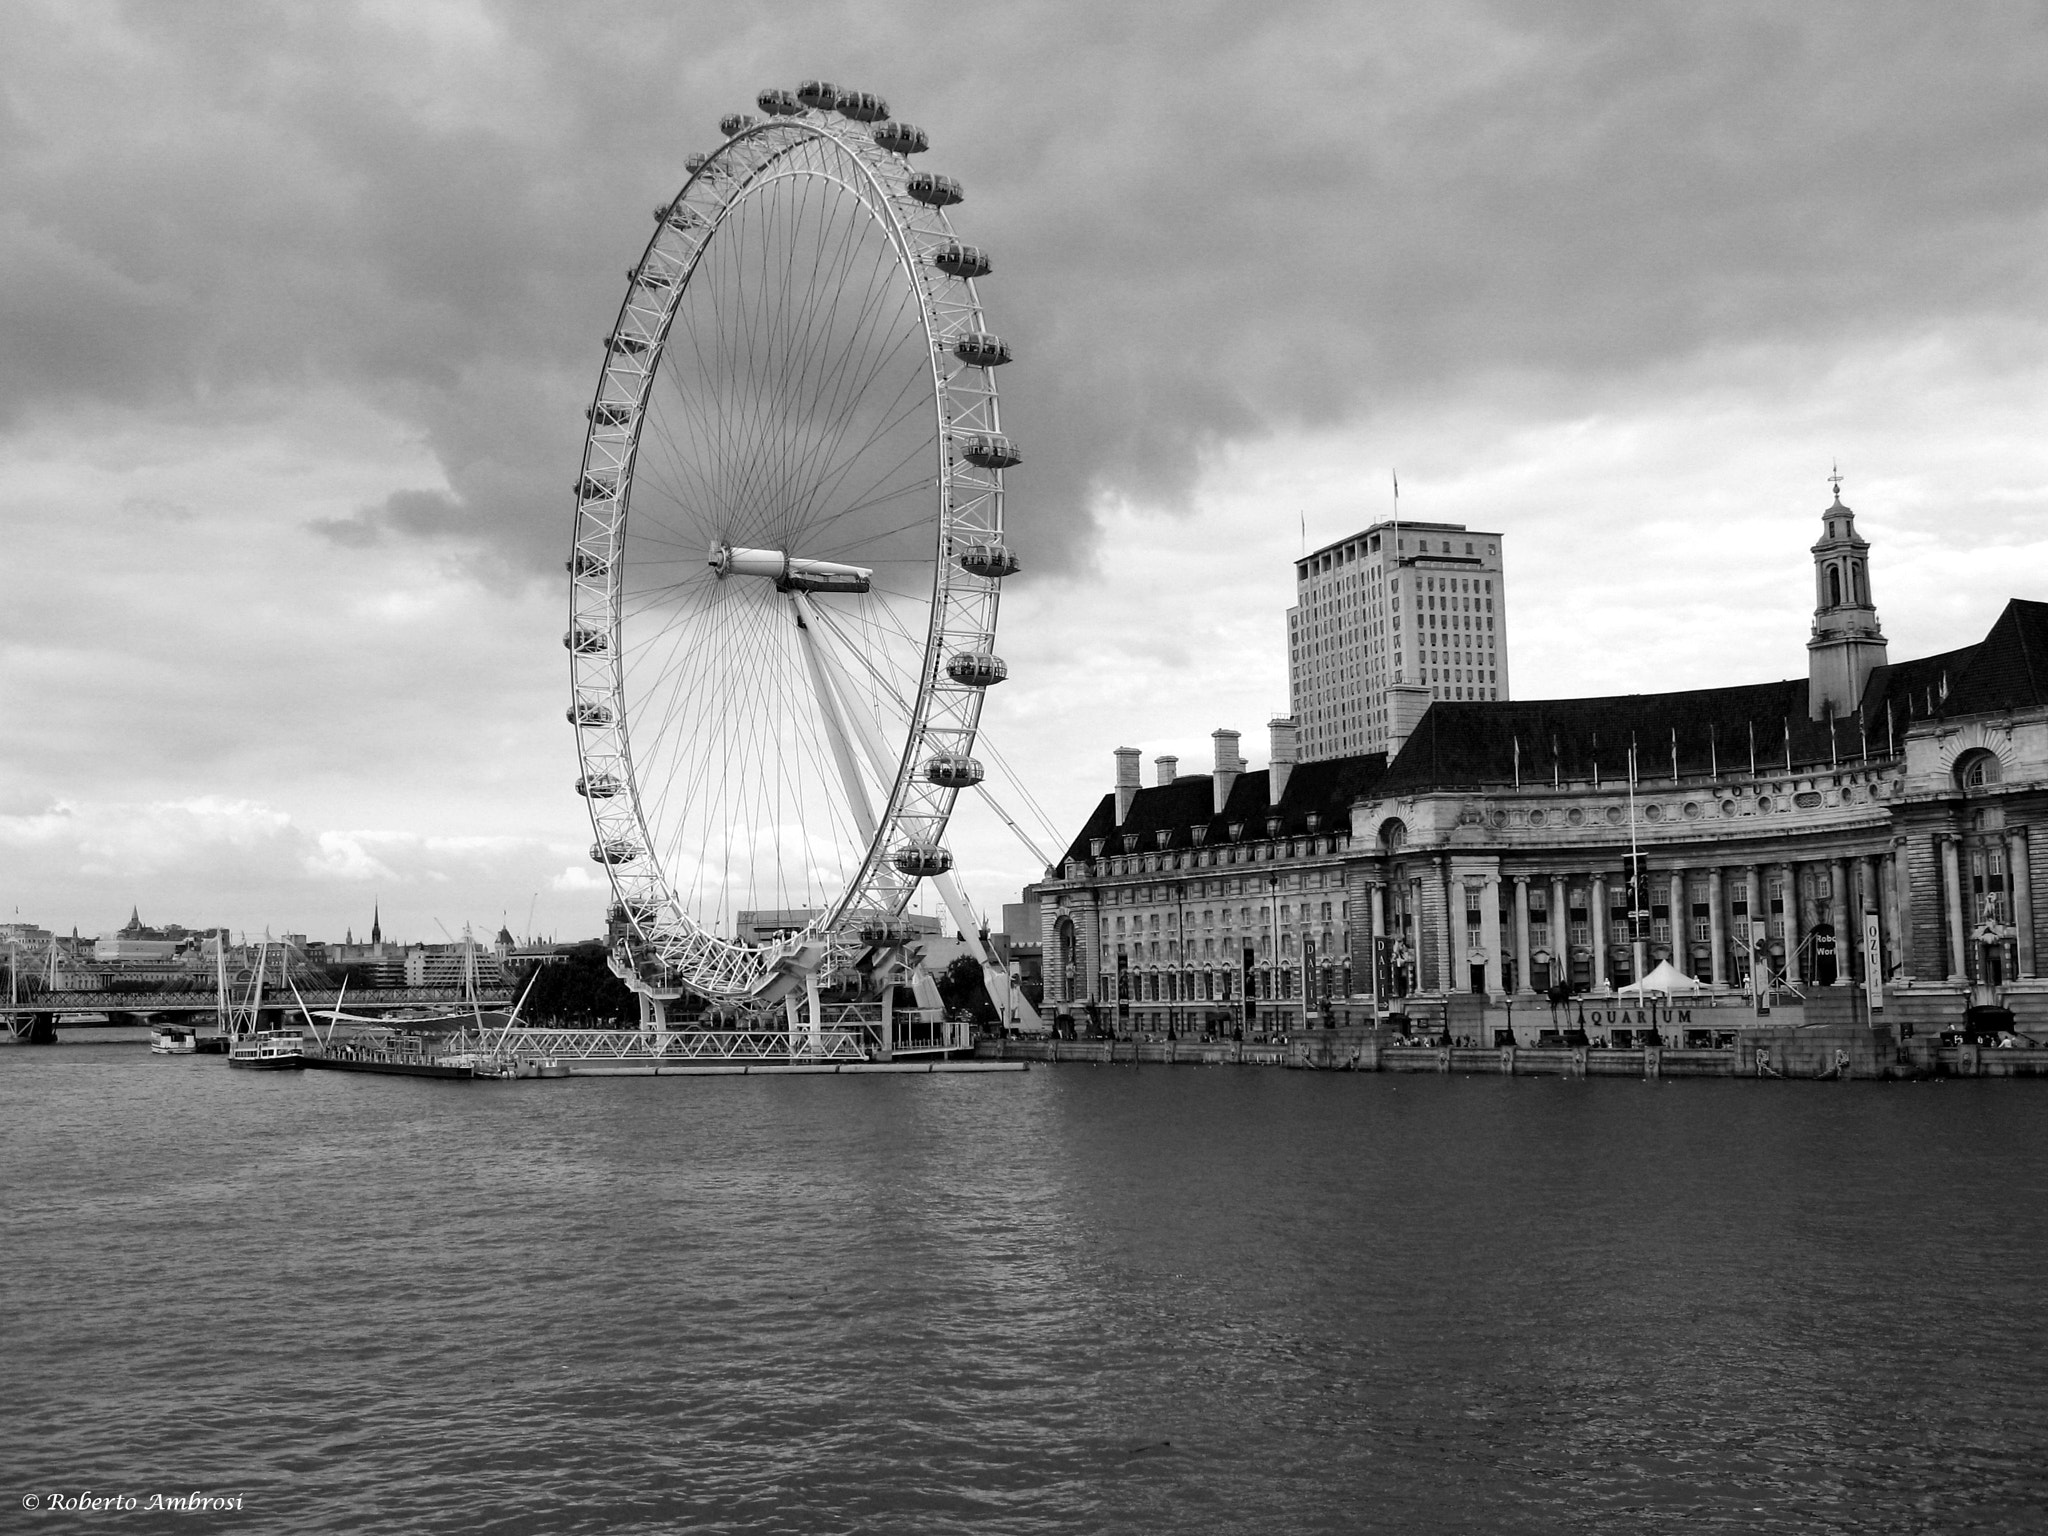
[790,377]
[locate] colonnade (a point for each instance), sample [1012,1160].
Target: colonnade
[1427,898]
[1949,956]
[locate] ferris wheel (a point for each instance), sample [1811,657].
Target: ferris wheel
[788,554]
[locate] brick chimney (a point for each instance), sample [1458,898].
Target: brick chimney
[1165,768]
[1228,766]
[1285,755]
[1126,781]
[1407,703]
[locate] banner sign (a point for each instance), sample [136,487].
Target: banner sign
[1873,964]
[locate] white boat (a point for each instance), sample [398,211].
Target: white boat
[172,1040]
[273,1050]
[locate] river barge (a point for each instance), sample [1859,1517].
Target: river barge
[395,1056]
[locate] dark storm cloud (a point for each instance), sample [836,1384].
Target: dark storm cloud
[1209,222]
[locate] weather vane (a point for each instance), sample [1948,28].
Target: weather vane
[1835,476]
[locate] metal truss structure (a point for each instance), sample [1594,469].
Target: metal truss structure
[787,561]
[841,1032]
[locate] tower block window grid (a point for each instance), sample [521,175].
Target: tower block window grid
[1411,605]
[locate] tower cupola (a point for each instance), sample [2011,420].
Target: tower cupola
[1847,645]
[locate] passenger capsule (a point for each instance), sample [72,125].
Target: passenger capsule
[588,565]
[989,450]
[932,188]
[632,912]
[862,106]
[633,346]
[991,561]
[590,712]
[902,138]
[596,488]
[976,669]
[960,260]
[695,161]
[777,102]
[921,859]
[615,850]
[609,413]
[587,642]
[598,786]
[980,349]
[650,277]
[885,932]
[818,95]
[735,122]
[680,215]
[951,770]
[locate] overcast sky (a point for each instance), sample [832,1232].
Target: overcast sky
[301,305]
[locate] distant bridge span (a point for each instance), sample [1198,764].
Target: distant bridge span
[356,1000]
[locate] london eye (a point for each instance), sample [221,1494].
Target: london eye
[788,555]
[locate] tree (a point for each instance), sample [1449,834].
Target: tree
[963,990]
[580,989]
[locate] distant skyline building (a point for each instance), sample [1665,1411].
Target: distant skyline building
[1384,623]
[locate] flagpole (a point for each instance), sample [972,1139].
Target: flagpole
[1637,910]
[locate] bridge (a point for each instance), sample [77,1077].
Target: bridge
[279,1001]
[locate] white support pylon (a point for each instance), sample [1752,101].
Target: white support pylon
[830,679]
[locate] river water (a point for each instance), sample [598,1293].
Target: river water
[1074,1299]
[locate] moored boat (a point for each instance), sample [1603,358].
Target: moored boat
[172,1040]
[394,1055]
[273,1050]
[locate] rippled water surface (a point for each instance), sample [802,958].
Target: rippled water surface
[1074,1299]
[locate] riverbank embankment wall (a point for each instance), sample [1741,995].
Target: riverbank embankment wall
[1823,1052]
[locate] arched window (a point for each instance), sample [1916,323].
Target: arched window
[1834,586]
[1393,834]
[1856,571]
[1975,770]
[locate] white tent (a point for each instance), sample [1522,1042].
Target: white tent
[1666,979]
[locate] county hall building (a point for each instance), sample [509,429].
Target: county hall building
[1420,836]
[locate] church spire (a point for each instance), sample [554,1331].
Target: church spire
[376,926]
[1847,645]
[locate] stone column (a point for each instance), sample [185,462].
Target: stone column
[1681,923]
[1522,984]
[1560,949]
[1716,938]
[1454,923]
[1375,925]
[1789,872]
[1489,932]
[1898,914]
[1952,896]
[2019,869]
[1758,915]
[1596,930]
[1867,901]
[1838,919]
[1413,932]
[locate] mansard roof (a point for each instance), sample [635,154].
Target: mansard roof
[1708,730]
[1324,789]
[2009,669]
[1721,730]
